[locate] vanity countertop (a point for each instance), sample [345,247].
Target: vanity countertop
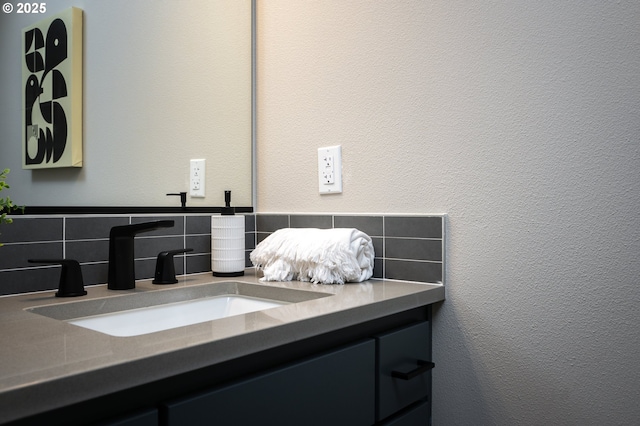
[47,363]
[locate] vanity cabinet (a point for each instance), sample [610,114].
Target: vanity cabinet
[364,383]
[372,373]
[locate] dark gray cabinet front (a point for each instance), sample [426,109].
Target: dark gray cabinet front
[335,388]
[143,418]
[404,368]
[418,415]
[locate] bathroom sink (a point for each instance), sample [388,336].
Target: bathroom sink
[149,312]
[134,322]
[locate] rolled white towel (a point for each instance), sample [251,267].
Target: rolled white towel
[327,256]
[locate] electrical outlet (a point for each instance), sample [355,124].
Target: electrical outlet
[330,169]
[196,178]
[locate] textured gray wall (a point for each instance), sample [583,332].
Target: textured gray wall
[521,121]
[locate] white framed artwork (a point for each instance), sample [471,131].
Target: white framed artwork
[52,92]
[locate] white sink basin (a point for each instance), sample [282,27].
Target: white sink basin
[151,311]
[164,317]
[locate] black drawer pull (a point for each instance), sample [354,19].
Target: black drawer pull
[423,366]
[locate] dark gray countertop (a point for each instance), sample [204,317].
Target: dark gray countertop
[47,363]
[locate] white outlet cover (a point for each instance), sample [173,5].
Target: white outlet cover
[196,178]
[330,170]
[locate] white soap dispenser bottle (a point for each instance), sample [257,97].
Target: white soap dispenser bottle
[227,242]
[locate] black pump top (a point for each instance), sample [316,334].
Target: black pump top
[183,197]
[227,210]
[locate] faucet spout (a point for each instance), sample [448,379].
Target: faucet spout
[122,274]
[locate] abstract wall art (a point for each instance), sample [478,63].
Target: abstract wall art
[52,92]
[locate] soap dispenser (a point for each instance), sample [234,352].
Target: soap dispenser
[227,242]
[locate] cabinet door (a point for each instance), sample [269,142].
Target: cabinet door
[336,388]
[404,374]
[418,415]
[143,418]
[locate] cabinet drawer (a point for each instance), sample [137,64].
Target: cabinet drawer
[404,368]
[336,388]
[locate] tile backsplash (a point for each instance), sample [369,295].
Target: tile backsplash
[407,247]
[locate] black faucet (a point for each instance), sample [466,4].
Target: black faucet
[122,274]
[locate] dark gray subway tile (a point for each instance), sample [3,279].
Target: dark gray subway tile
[87,251]
[410,248]
[95,273]
[250,240]
[378,271]
[31,230]
[199,243]
[378,244]
[198,224]
[17,255]
[260,236]
[370,225]
[177,229]
[27,280]
[413,226]
[198,263]
[312,221]
[249,222]
[85,228]
[178,264]
[271,222]
[145,269]
[151,247]
[413,271]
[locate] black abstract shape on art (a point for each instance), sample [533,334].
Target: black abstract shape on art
[59,89]
[34,38]
[56,45]
[52,134]
[32,92]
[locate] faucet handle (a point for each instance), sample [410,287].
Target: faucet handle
[71,283]
[165,269]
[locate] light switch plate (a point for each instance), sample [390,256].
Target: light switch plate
[330,169]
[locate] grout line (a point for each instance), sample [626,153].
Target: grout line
[26,243]
[413,260]
[64,237]
[416,238]
[384,249]
[29,268]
